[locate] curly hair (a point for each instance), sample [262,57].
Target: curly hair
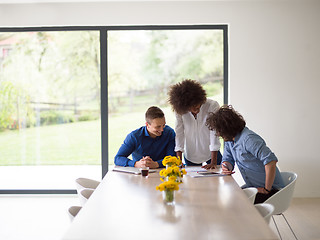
[226,122]
[186,94]
[152,113]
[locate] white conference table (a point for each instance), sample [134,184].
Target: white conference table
[127,206]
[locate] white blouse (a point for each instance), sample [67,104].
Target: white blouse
[193,137]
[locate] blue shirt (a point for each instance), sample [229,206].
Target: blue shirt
[140,144]
[251,154]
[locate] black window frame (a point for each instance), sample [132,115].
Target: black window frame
[103,30]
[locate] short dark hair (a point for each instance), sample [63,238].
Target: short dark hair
[226,122]
[152,113]
[186,94]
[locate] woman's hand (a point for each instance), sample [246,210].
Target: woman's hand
[227,168]
[210,166]
[262,190]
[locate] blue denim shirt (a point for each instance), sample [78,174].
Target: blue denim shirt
[140,144]
[251,154]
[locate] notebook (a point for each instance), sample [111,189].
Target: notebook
[131,170]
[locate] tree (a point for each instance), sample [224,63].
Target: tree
[56,67]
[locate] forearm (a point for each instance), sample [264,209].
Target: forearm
[179,155]
[270,170]
[121,158]
[227,155]
[123,161]
[214,155]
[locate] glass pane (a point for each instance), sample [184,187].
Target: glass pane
[143,64]
[49,109]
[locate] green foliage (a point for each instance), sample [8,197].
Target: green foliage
[8,95]
[88,116]
[154,60]
[55,117]
[49,67]
[212,88]
[15,110]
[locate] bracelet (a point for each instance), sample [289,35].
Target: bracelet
[266,190]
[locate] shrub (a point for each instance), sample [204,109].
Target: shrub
[88,116]
[54,117]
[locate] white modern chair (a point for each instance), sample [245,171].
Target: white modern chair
[251,193]
[73,211]
[85,194]
[266,210]
[282,199]
[85,183]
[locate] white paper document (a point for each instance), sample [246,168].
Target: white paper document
[198,171]
[195,169]
[132,170]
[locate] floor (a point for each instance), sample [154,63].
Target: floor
[303,216]
[35,217]
[44,217]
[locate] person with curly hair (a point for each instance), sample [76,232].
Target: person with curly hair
[189,101]
[256,162]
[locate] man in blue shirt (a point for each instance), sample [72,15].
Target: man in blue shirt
[256,162]
[148,144]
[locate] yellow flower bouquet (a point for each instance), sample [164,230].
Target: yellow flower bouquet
[174,171]
[168,185]
[170,161]
[171,178]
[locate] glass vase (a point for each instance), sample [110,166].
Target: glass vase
[168,196]
[169,165]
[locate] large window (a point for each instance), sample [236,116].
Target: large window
[50,108]
[142,64]
[69,95]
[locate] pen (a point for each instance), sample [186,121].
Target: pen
[205,173]
[226,166]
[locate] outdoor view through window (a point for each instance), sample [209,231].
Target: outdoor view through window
[49,109]
[143,64]
[50,125]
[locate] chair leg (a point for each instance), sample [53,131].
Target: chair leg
[289,226]
[276,227]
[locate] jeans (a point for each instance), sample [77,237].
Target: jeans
[260,197]
[189,163]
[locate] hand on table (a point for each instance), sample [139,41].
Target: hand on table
[146,162]
[210,166]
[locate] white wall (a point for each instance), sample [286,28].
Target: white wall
[274,62]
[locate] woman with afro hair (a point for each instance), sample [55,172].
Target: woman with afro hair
[193,138]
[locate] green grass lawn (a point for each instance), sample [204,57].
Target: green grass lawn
[68,144]
[63,144]
[76,143]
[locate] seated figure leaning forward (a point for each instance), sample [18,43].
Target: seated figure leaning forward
[256,162]
[148,144]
